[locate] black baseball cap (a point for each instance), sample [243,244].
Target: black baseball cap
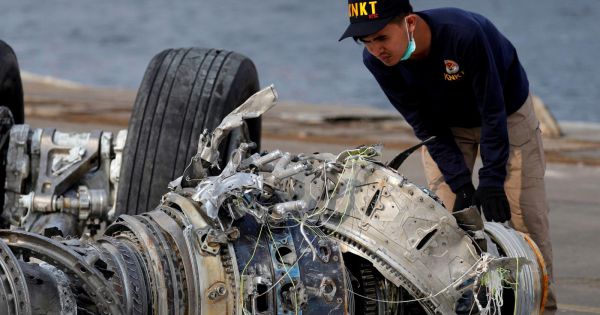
[370,16]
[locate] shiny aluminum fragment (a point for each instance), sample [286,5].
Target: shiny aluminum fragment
[254,107]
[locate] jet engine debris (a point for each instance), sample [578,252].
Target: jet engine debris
[272,233]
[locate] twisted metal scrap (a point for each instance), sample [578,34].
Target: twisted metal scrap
[267,235]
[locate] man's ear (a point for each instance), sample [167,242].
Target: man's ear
[411,22]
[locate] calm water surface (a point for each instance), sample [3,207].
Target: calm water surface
[293,43]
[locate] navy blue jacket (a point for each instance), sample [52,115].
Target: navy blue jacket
[471,77]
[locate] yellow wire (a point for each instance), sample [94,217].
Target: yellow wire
[353,159]
[516,288]
[286,271]
[247,264]
[360,156]
[430,296]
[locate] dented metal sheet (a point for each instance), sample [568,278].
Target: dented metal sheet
[254,107]
[214,190]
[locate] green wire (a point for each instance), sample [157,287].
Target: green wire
[287,272]
[247,264]
[516,288]
[354,157]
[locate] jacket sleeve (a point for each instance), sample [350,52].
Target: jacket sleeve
[443,149]
[489,95]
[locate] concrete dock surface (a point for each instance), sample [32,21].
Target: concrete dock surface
[572,175]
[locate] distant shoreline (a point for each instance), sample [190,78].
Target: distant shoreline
[49,81]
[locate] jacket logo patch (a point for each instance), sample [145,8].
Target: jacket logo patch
[451,66]
[453,72]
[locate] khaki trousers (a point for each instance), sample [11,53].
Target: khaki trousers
[524,183]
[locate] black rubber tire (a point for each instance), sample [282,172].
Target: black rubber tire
[183,92]
[11,88]
[11,97]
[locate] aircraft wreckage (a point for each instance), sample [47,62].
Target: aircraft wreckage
[263,233]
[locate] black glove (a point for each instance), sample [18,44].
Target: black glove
[464,197]
[493,202]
